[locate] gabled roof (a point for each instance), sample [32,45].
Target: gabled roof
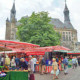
[57,23]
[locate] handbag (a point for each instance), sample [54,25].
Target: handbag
[52,72]
[57,72]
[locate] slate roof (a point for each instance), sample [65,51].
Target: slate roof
[68,25]
[59,24]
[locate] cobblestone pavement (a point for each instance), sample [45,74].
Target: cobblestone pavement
[73,74]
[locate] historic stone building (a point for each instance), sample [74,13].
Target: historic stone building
[11,25]
[66,29]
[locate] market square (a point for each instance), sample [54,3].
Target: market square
[42,43]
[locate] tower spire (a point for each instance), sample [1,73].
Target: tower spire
[13,8]
[65,1]
[14,1]
[66,13]
[66,8]
[13,11]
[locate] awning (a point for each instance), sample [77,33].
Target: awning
[35,53]
[7,52]
[73,52]
[63,51]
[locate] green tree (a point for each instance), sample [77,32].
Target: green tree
[37,29]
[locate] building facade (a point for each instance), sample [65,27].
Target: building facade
[66,29]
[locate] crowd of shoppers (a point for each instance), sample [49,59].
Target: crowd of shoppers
[58,63]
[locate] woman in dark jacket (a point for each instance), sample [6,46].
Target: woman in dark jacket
[23,64]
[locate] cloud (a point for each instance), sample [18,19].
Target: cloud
[26,7]
[75,14]
[2,33]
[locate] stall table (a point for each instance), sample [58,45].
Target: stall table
[48,68]
[15,75]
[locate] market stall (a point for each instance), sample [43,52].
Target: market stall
[20,49]
[15,75]
[16,49]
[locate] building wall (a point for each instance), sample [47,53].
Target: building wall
[10,30]
[68,37]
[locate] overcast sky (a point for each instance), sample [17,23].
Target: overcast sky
[26,7]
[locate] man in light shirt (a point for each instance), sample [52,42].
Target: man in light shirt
[31,64]
[34,60]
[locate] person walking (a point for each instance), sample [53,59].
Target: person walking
[31,67]
[65,62]
[2,60]
[31,64]
[34,60]
[43,64]
[74,63]
[40,63]
[55,68]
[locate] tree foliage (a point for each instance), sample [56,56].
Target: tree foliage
[37,29]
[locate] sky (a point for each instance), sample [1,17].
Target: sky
[26,7]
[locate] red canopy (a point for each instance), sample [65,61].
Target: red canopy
[58,48]
[28,48]
[16,44]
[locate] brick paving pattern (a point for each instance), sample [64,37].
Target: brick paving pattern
[73,74]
